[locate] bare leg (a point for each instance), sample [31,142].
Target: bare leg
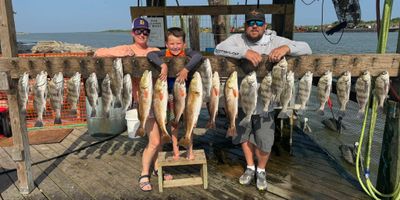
[175,146]
[151,150]
[248,150]
[189,153]
[262,158]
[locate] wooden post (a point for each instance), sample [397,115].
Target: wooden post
[398,40]
[219,23]
[283,24]
[194,32]
[21,152]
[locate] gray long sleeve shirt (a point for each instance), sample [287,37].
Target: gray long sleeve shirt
[237,45]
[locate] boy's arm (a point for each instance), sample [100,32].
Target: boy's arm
[195,58]
[232,47]
[154,57]
[118,51]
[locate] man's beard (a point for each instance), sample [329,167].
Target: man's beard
[251,39]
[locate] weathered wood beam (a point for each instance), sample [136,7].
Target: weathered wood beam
[7,29]
[283,23]
[206,10]
[356,63]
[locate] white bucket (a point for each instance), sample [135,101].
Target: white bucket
[132,122]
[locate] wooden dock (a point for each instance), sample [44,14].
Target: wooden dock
[108,169]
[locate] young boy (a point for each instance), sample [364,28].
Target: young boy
[175,43]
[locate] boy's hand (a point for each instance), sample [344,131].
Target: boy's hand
[164,72]
[181,77]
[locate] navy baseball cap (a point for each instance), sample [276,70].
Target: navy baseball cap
[256,14]
[140,23]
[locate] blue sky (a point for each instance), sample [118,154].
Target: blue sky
[50,16]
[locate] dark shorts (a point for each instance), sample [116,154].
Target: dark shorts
[261,133]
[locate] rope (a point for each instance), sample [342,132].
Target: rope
[308,3]
[322,27]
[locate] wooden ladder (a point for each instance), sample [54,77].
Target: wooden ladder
[166,159]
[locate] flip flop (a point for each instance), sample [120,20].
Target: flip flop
[144,184]
[155,173]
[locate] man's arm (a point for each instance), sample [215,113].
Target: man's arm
[118,51]
[231,47]
[297,48]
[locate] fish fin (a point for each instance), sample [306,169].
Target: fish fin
[246,122]
[360,114]
[284,115]
[216,92]
[39,124]
[74,112]
[165,137]
[93,114]
[231,132]
[184,142]
[320,111]
[161,96]
[146,94]
[235,93]
[182,92]
[211,124]
[57,120]
[174,123]
[117,104]
[140,132]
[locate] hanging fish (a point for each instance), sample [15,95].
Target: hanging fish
[56,93]
[117,76]
[382,84]
[343,87]
[92,93]
[305,85]
[324,89]
[127,92]
[231,93]
[23,91]
[278,79]
[363,87]
[145,99]
[193,107]
[106,96]
[160,101]
[74,87]
[266,93]
[286,95]
[179,102]
[214,100]
[205,71]
[39,101]
[248,97]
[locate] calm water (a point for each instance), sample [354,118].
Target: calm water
[364,42]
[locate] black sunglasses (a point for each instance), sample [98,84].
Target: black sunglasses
[140,31]
[256,22]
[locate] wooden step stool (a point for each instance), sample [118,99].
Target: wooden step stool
[166,159]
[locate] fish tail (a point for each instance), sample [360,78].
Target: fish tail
[342,113]
[174,123]
[93,114]
[107,114]
[140,132]
[284,114]
[118,104]
[264,114]
[57,120]
[39,123]
[246,122]
[185,142]
[360,114]
[320,111]
[165,137]
[211,124]
[231,132]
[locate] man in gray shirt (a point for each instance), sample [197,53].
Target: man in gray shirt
[250,45]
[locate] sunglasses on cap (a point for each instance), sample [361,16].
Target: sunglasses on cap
[256,22]
[140,31]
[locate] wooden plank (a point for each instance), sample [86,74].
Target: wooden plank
[183,182]
[7,188]
[204,10]
[289,21]
[318,64]
[166,159]
[8,37]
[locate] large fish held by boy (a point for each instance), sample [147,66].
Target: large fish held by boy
[324,89]
[248,97]
[265,91]
[214,100]
[231,93]
[193,107]
[363,87]
[39,101]
[127,92]
[160,102]
[286,95]
[205,71]
[92,93]
[278,79]
[179,102]
[74,87]
[56,93]
[106,96]
[305,85]
[145,99]
[381,90]
[343,87]
[117,76]
[23,91]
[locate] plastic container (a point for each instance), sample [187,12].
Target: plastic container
[132,122]
[100,126]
